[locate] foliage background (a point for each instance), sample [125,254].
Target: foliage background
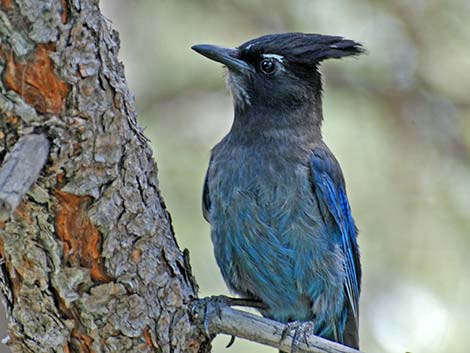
[398,121]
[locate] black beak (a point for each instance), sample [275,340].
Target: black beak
[226,56]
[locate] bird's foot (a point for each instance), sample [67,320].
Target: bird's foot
[201,309]
[217,304]
[301,329]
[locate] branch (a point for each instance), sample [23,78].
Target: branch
[258,329]
[20,170]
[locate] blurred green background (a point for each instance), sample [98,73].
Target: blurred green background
[397,119]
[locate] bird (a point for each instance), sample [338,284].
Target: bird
[274,194]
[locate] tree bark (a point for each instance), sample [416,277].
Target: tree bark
[89,259]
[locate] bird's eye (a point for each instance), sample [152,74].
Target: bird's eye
[267,66]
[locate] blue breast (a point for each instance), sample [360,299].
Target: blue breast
[270,240]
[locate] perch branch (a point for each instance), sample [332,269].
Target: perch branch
[20,170]
[254,328]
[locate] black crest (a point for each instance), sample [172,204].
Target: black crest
[301,48]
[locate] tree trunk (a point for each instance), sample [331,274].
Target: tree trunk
[89,259]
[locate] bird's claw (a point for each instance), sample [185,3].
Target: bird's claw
[229,344]
[207,305]
[304,328]
[218,302]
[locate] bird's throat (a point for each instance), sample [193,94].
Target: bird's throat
[299,124]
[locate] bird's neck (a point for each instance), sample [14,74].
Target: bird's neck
[296,123]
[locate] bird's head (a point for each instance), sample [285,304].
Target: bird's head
[278,71]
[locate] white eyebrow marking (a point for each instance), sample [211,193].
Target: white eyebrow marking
[279,58]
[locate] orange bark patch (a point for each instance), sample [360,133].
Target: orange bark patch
[13,120]
[147,337]
[60,178]
[7,4]
[148,340]
[82,240]
[85,341]
[34,78]
[136,255]
[64,15]
[24,211]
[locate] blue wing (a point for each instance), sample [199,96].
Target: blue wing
[206,201]
[330,190]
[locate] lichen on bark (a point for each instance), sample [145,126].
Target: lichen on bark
[89,258]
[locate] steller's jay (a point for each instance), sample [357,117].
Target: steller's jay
[274,194]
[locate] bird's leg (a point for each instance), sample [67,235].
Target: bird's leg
[304,328]
[245,302]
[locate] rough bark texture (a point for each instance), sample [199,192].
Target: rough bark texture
[89,260]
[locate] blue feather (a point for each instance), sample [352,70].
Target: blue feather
[286,236]
[330,188]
